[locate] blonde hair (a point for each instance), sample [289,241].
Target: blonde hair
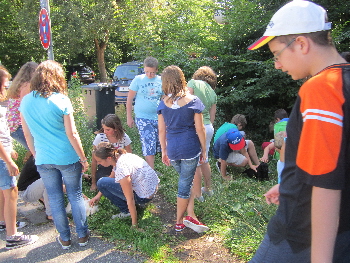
[174,83]
[105,149]
[279,138]
[48,78]
[23,76]
[206,74]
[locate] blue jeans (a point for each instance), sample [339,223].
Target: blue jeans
[281,252]
[52,176]
[114,192]
[186,169]
[18,135]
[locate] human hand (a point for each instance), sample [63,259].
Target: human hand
[85,165]
[202,158]
[94,201]
[272,196]
[165,159]
[254,167]
[12,168]
[93,187]
[14,155]
[130,122]
[264,159]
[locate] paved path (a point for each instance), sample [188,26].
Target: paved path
[46,249]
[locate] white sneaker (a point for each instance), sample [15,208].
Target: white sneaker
[121,215]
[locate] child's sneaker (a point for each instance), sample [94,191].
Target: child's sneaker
[179,227]
[121,215]
[195,225]
[20,240]
[18,225]
[208,193]
[83,241]
[64,244]
[218,166]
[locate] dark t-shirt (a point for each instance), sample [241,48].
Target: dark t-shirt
[29,174]
[181,136]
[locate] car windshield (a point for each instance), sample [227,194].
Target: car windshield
[126,72]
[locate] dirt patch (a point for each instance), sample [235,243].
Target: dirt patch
[196,247]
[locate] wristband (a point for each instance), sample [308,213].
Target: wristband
[83,161]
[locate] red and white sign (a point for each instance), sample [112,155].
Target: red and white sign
[44,28]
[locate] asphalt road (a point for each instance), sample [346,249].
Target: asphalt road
[46,249]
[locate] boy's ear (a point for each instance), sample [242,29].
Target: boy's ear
[304,43]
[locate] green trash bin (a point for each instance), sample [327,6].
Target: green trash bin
[99,100]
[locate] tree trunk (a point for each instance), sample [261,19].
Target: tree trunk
[100,53]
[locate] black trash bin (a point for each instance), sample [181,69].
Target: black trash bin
[99,100]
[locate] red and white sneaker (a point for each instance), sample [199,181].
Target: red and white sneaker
[179,227]
[195,225]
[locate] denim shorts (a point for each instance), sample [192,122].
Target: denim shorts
[148,130]
[186,169]
[6,181]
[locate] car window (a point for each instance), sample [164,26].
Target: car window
[126,72]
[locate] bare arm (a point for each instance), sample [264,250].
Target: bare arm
[198,123]
[128,148]
[267,149]
[74,139]
[325,206]
[190,90]
[28,135]
[93,171]
[212,112]
[129,101]
[246,155]
[126,185]
[162,139]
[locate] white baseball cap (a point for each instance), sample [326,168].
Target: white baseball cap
[296,17]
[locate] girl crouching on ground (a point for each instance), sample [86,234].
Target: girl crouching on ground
[112,131]
[134,182]
[182,137]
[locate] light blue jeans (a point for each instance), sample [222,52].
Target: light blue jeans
[186,169]
[52,176]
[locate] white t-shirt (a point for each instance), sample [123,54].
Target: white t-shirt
[101,137]
[144,179]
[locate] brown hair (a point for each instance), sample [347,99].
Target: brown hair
[173,82]
[321,38]
[48,78]
[105,149]
[206,74]
[280,114]
[239,119]
[3,74]
[23,76]
[113,121]
[150,62]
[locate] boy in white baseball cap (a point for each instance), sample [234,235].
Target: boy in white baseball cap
[312,222]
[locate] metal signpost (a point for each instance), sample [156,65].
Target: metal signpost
[45,28]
